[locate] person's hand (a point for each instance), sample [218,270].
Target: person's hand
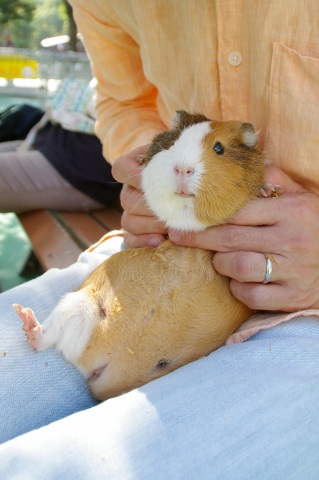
[286,228]
[140,225]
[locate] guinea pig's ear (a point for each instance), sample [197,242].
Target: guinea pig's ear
[184,119]
[249,134]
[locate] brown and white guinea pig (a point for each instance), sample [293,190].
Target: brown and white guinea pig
[146,311]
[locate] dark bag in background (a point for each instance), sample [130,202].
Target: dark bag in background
[17,120]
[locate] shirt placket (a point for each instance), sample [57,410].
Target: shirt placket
[231,59]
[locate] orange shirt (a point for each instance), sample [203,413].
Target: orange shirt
[251,60]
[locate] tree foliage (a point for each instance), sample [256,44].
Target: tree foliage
[30,21]
[11,10]
[47,21]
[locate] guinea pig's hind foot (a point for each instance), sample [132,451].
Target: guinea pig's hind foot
[31,326]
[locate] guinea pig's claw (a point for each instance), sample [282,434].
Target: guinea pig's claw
[268,190]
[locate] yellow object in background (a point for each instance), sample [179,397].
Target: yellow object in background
[18,66]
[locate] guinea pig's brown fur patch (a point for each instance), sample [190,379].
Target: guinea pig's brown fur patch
[159,309]
[237,173]
[164,140]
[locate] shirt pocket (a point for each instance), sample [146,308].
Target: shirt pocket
[292,138]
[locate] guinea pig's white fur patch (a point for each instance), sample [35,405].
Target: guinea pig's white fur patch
[186,154]
[69,326]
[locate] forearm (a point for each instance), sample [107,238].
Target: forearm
[123,128]
[127,115]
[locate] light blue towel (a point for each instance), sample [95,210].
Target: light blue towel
[247,411]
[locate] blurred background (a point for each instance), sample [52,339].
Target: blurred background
[26,23]
[39,47]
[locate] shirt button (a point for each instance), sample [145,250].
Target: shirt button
[234,59]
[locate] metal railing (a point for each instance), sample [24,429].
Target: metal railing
[30,75]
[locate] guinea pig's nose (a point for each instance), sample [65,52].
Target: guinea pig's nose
[184,171]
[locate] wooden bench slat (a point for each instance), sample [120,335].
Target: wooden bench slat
[52,245]
[83,226]
[58,238]
[110,218]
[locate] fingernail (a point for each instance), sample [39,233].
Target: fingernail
[154,241]
[175,236]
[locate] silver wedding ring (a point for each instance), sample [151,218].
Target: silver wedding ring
[268,269]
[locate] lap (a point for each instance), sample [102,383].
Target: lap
[39,388]
[9,146]
[247,410]
[28,181]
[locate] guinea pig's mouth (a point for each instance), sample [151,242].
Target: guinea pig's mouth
[184,195]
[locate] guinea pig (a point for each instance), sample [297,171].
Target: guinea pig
[146,311]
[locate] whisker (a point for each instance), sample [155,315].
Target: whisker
[140,199]
[125,180]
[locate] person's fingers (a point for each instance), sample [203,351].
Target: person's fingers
[285,297]
[143,240]
[263,225]
[127,169]
[283,290]
[289,236]
[249,267]
[140,224]
[225,238]
[133,202]
[275,176]
[268,211]
[260,296]
[240,234]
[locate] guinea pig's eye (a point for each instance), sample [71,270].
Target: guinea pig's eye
[219,148]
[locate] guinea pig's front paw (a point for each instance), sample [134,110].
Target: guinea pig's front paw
[269,190]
